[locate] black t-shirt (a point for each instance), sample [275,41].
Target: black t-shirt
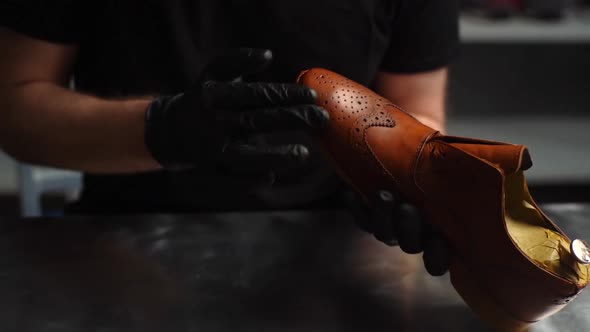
[139,47]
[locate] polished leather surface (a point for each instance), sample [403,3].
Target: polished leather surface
[283,271]
[460,183]
[360,124]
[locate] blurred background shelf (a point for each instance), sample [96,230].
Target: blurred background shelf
[536,94]
[574,27]
[8,181]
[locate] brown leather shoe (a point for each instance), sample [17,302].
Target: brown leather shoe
[511,263]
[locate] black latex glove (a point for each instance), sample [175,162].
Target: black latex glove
[212,123]
[395,223]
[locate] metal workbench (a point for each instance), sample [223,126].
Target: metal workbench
[279,271]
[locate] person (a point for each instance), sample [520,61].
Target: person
[183,106]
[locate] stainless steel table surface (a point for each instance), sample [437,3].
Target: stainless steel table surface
[279,271]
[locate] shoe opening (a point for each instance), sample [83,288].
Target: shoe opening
[536,236]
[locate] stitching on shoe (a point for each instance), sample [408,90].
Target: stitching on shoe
[362,125]
[418,156]
[517,160]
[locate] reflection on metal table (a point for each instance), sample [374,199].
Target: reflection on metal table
[279,271]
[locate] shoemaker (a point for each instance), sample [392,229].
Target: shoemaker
[186,106]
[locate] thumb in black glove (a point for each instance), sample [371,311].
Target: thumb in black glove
[212,124]
[395,223]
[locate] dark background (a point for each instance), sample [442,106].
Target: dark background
[517,80]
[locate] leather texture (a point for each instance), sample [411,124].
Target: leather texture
[511,263]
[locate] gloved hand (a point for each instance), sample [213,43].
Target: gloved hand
[212,123]
[396,223]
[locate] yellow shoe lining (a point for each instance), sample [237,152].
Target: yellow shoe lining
[536,237]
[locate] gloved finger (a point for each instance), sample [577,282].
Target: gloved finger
[382,217]
[304,117]
[359,210]
[234,64]
[437,255]
[408,228]
[240,96]
[241,158]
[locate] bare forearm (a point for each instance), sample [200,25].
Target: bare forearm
[46,124]
[422,94]
[430,112]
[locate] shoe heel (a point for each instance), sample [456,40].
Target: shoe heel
[481,303]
